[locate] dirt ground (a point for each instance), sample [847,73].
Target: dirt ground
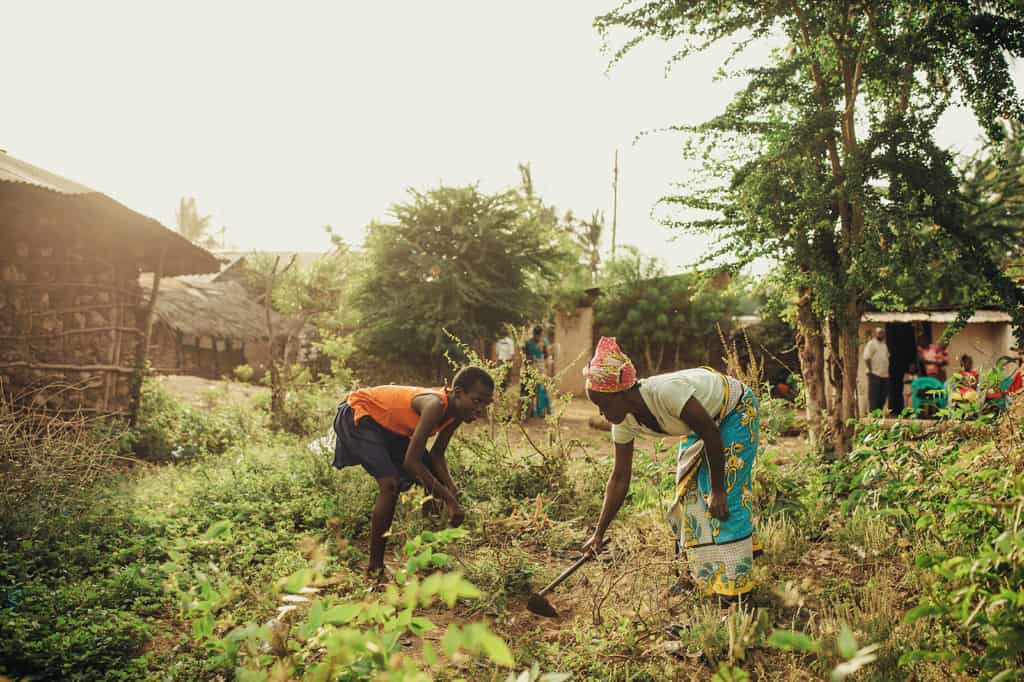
[199,391]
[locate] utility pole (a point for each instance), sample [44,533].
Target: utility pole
[615,201]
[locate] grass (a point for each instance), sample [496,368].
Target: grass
[93,591]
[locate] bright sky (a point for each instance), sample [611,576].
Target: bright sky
[281,118]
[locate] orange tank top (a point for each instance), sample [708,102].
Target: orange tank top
[391,407]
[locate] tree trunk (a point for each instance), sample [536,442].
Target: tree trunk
[277,394]
[842,370]
[651,369]
[848,350]
[811,348]
[834,388]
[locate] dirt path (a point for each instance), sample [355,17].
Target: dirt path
[201,392]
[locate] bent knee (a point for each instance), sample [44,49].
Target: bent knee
[389,486]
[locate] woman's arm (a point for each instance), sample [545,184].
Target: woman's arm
[701,423]
[430,418]
[614,495]
[437,454]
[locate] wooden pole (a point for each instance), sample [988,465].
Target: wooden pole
[615,201]
[147,326]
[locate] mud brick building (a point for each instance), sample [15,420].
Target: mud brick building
[73,325]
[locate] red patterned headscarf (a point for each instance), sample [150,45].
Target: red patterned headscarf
[609,371]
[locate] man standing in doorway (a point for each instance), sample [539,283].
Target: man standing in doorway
[505,350]
[876,357]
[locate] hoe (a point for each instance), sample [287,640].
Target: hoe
[539,604]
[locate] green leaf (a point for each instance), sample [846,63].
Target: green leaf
[297,580]
[429,654]
[728,673]
[431,585]
[846,643]
[452,640]
[922,611]
[467,590]
[419,625]
[247,675]
[497,650]
[218,529]
[788,640]
[342,613]
[203,627]
[1008,674]
[316,615]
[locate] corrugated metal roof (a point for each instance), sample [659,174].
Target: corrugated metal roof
[16,170]
[28,193]
[946,316]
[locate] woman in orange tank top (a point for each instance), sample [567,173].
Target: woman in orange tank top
[385,429]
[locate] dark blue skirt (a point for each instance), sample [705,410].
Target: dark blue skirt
[371,446]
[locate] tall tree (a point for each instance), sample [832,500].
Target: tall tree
[589,234]
[826,160]
[993,191]
[296,299]
[455,259]
[668,321]
[193,226]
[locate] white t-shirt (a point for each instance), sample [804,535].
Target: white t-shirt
[876,355]
[665,395]
[505,348]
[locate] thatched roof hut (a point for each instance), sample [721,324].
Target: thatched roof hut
[71,327]
[208,328]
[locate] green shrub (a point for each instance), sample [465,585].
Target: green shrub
[980,595]
[168,429]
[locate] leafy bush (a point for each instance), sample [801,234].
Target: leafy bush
[308,408]
[316,638]
[168,429]
[981,595]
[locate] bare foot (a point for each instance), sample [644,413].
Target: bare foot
[377,577]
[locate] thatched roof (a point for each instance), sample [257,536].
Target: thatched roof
[213,309]
[33,199]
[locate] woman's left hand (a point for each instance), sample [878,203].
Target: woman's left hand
[717,504]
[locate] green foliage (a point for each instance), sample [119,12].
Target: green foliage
[78,590]
[248,565]
[947,498]
[307,408]
[826,161]
[303,300]
[356,639]
[662,321]
[170,430]
[458,259]
[852,656]
[979,594]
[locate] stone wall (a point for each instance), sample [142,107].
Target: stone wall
[70,323]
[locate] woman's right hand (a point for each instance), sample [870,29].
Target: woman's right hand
[593,545]
[455,514]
